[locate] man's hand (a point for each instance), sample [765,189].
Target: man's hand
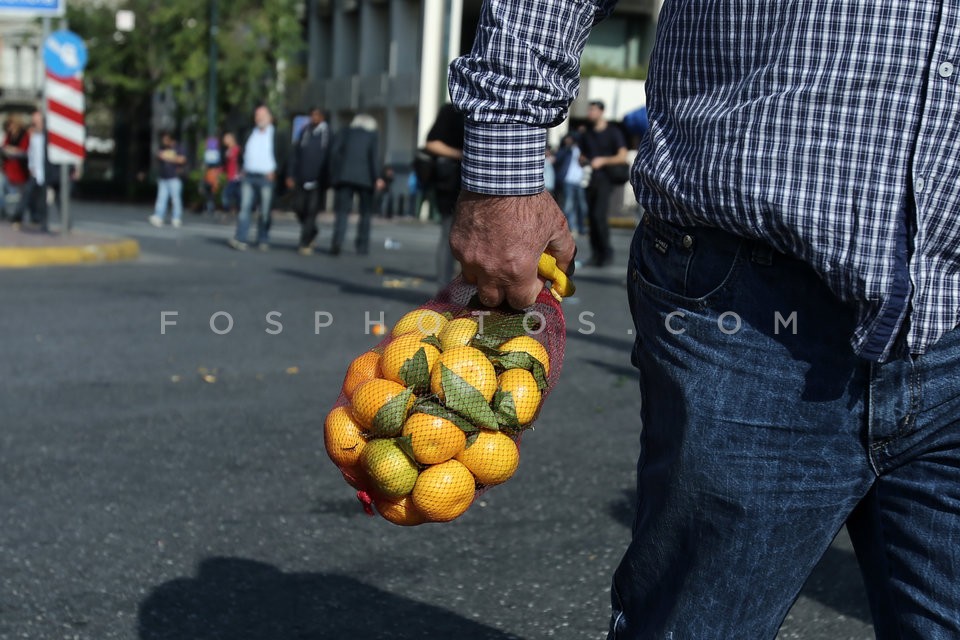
[498,240]
[598,163]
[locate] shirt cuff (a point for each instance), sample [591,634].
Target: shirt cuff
[503,159]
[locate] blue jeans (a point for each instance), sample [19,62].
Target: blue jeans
[169,189]
[231,195]
[575,206]
[763,435]
[264,192]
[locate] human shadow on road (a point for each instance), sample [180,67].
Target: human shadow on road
[835,582]
[239,599]
[409,296]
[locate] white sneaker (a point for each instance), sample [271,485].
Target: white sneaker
[155,221]
[236,244]
[176,223]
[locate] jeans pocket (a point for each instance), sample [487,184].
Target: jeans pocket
[684,266]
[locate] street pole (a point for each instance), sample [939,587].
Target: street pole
[212,65]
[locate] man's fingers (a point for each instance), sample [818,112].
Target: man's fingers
[563,248]
[521,296]
[489,295]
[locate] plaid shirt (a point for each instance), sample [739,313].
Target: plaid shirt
[829,130]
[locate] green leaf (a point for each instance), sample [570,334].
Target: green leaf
[506,410]
[523,360]
[406,445]
[432,340]
[463,398]
[471,438]
[435,409]
[487,344]
[509,325]
[390,418]
[415,372]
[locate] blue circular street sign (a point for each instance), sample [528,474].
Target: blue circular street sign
[64,54]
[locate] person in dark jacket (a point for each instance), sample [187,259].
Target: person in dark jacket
[354,167]
[308,175]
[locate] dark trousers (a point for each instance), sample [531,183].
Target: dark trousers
[33,198]
[446,264]
[342,203]
[308,205]
[598,206]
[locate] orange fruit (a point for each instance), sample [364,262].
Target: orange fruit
[343,437]
[457,333]
[399,511]
[492,458]
[444,491]
[471,365]
[366,367]
[403,348]
[370,396]
[424,321]
[527,344]
[391,471]
[433,439]
[520,384]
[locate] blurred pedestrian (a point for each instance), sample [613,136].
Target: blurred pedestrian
[570,177]
[603,147]
[354,170]
[34,195]
[231,167]
[308,169]
[15,144]
[212,172]
[259,172]
[445,144]
[172,161]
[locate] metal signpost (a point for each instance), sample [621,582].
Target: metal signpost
[65,57]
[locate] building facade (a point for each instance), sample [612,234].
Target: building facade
[389,58]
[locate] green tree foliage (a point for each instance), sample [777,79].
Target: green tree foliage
[259,43]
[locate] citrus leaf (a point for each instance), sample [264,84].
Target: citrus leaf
[415,372]
[435,409]
[506,410]
[523,360]
[447,315]
[487,344]
[406,445]
[463,398]
[431,340]
[510,325]
[390,418]
[471,439]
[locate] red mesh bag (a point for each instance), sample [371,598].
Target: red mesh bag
[433,415]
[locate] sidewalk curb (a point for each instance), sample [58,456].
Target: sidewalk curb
[623,222]
[22,257]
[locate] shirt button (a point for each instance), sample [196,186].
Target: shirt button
[945,69]
[687,242]
[918,185]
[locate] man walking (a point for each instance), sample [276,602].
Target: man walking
[169,186]
[259,172]
[603,146]
[793,287]
[308,175]
[355,171]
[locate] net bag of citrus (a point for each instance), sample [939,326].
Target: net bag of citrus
[433,415]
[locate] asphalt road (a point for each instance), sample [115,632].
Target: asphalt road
[174,486]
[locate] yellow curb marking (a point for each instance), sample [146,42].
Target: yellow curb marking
[19,257]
